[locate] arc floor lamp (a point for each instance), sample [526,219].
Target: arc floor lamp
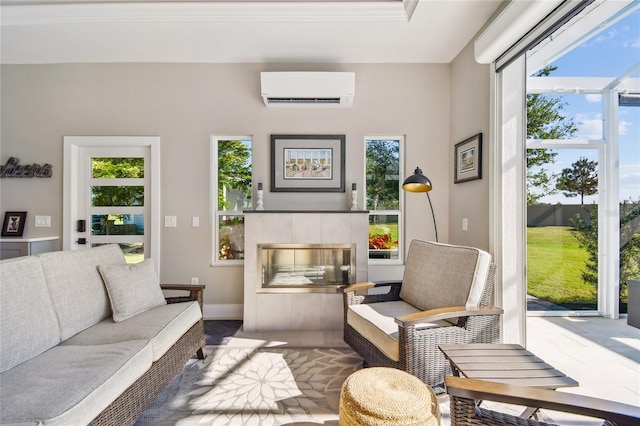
[420,183]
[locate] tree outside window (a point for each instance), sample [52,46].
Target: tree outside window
[234,176]
[382,168]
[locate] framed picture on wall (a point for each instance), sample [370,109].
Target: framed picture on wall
[468,159]
[14,224]
[307,163]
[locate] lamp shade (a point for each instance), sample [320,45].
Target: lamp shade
[417,182]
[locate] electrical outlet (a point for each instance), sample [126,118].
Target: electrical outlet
[195,221]
[195,280]
[465,224]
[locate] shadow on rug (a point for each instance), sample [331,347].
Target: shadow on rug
[256,386]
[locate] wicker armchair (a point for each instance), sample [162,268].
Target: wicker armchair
[464,395]
[444,297]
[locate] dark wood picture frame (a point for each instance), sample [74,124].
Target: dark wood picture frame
[468,159]
[307,163]
[14,223]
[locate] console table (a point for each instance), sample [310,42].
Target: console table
[16,247]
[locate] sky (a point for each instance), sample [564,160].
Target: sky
[611,53]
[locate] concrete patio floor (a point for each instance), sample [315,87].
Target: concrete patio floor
[602,354]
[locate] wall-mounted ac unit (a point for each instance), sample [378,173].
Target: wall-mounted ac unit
[308,89]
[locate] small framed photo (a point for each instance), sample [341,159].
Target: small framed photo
[14,224]
[468,159]
[307,163]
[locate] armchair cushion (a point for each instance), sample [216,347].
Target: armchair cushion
[376,323]
[456,275]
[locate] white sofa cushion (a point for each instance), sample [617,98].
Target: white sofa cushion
[28,323]
[162,326]
[71,385]
[376,323]
[74,276]
[132,288]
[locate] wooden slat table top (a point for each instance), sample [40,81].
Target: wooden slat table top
[504,363]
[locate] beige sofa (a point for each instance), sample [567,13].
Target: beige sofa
[87,339]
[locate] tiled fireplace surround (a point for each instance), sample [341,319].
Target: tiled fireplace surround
[298,311]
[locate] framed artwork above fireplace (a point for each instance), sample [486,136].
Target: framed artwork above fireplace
[307,163]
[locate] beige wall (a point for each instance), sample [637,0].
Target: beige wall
[470,115]
[184,104]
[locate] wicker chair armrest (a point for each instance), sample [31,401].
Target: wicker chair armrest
[195,293]
[371,284]
[480,390]
[432,315]
[358,286]
[351,298]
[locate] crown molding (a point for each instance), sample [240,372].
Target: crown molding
[19,13]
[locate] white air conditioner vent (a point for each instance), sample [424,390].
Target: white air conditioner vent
[308,89]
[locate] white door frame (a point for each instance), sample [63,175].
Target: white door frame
[72,147]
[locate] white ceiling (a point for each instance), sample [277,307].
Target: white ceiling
[48,31]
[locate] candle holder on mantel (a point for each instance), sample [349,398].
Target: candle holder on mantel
[259,195]
[354,197]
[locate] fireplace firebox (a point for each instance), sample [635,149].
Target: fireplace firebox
[305,268]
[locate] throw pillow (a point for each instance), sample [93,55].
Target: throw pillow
[132,288]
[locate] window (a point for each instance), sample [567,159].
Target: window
[382,181]
[230,195]
[584,83]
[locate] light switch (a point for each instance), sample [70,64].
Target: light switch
[170,221]
[43,221]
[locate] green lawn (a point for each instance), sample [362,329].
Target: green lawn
[554,266]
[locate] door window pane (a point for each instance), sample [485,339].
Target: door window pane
[117,224]
[629,200]
[133,252]
[117,168]
[105,196]
[562,236]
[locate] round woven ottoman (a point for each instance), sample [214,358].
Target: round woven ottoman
[378,396]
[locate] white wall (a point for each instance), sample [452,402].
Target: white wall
[470,115]
[184,104]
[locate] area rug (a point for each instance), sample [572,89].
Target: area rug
[256,386]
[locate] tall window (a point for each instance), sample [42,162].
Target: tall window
[577,73]
[231,194]
[382,168]
[584,142]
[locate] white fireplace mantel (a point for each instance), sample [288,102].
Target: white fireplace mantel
[299,311]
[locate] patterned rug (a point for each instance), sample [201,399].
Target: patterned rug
[256,386]
[261,385]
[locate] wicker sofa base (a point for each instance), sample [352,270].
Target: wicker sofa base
[126,409]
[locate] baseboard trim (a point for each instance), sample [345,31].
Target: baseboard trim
[223,312]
